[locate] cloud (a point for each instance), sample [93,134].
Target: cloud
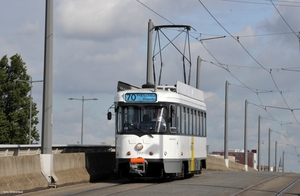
[28,29]
[103,20]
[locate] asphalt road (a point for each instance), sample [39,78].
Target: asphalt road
[208,183]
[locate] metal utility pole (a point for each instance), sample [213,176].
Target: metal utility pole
[149,75]
[82,109]
[276,156]
[245,137]
[258,143]
[226,126]
[30,107]
[46,155]
[198,72]
[48,78]
[269,151]
[282,161]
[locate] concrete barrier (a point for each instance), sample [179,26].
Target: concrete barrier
[218,163]
[70,168]
[21,173]
[234,166]
[215,163]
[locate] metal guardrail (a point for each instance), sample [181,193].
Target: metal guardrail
[23,150]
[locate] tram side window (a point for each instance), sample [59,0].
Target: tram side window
[187,121]
[192,122]
[204,125]
[183,125]
[119,120]
[173,118]
[195,122]
[201,124]
[178,116]
[198,122]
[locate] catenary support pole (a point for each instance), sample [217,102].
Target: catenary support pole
[245,138]
[226,126]
[282,161]
[198,82]
[276,156]
[46,146]
[269,151]
[149,79]
[258,145]
[48,76]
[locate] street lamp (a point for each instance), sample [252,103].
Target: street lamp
[82,99]
[30,107]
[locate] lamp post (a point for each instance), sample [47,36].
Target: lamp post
[82,109]
[30,107]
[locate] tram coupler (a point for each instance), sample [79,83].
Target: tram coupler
[137,166]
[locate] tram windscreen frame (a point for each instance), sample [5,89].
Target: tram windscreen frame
[142,119]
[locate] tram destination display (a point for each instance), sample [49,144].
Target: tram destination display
[140,97]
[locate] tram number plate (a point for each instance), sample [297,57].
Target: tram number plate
[140,97]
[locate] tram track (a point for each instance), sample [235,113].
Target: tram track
[287,188]
[120,188]
[208,183]
[276,185]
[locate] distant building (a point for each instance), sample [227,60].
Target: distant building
[266,168]
[239,156]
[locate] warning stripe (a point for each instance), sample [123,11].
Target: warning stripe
[192,155]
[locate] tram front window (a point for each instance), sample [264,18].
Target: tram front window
[145,119]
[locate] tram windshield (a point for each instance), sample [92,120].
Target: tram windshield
[142,119]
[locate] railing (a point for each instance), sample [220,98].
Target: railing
[23,150]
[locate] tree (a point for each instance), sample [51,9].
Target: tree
[15,103]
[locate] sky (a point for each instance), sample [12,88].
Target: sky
[97,43]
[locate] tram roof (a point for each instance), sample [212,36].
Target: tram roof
[179,88]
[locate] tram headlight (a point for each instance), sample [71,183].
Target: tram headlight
[139,146]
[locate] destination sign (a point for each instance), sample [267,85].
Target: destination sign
[140,97]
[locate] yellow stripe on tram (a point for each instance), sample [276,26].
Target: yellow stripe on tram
[192,155]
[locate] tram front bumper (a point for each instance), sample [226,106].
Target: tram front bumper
[138,166]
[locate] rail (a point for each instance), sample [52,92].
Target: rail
[284,183]
[288,187]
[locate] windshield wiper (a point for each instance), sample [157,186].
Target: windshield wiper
[142,130]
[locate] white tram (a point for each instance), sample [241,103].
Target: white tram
[160,131]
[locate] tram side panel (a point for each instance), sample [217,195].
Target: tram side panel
[193,150]
[172,153]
